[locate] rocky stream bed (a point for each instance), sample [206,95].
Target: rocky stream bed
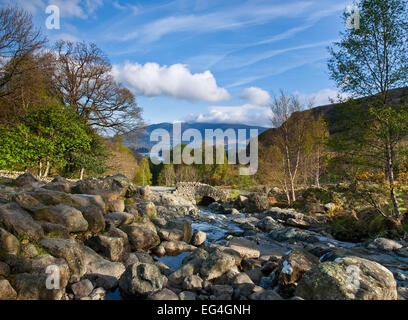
[113,240]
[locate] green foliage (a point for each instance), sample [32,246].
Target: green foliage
[46,133]
[167,176]
[143,175]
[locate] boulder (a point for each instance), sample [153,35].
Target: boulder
[54,230]
[59,185]
[69,250]
[94,216]
[100,267]
[174,248]
[110,247]
[257,202]
[141,238]
[9,244]
[29,250]
[116,205]
[164,294]
[7,292]
[384,244]
[4,270]
[187,295]
[45,266]
[171,234]
[116,219]
[246,248]
[240,201]
[53,198]
[216,265]
[192,283]
[267,224]
[147,209]
[19,222]
[199,237]
[348,278]
[231,211]
[27,202]
[292,235]
[182,225]
[292,266]
[64,215]
[198,254]
[33,287]
[117,183]
[25,179]
[82,288]
[141,257]
[140,280]
[265,295]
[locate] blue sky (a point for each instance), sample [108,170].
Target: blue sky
[203,60]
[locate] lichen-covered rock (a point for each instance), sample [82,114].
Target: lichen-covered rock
[246,248]
[69,250]
[141,238]
[292,266]
[257,202]
[82,288]
[112,248]
[199,237]
[94,216]
[4,270]
[164,294]
[140,280]
[25,179]
[9,244]
[348,278]
[19,222]
[27,202]
[216,265]
[267,224]
[64,215]
[192,283]
[116,219]
[7,292]
[171,234]
[174,248]
[147,209]
[116,205]
[100,267]
[118,183]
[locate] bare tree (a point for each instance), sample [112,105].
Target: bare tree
[18,40]
[84,80]
[31,86]
[291,127]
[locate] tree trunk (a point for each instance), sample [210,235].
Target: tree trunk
[40,169]
[318,169]
[47,169]
[81,176]
[392,184]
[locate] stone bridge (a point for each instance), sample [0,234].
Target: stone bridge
[204,193]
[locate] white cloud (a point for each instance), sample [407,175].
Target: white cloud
[245,114]
[175,81]
[256,96]
[230,18]
[322,97]
[254,112]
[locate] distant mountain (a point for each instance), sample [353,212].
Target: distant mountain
[144,144]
